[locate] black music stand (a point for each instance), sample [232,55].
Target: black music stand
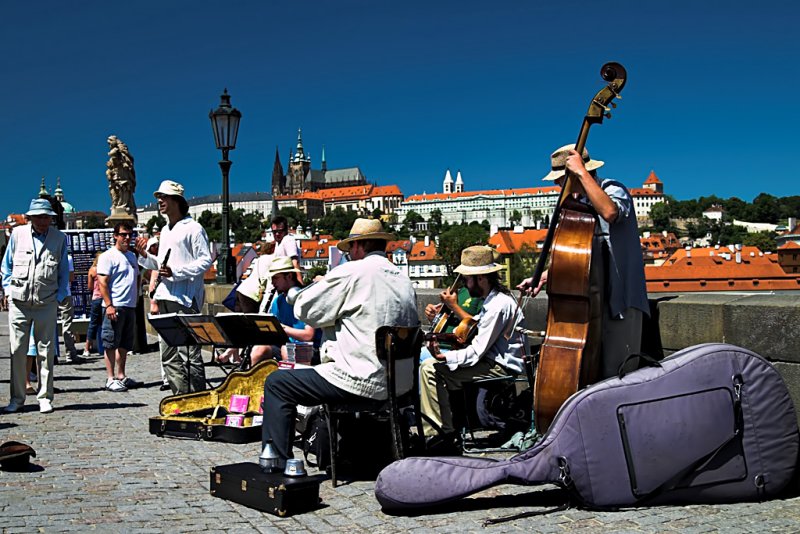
[187,330]
[247,329]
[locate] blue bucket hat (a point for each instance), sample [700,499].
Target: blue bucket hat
[40,206]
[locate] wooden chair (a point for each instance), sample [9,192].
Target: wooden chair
[398,349]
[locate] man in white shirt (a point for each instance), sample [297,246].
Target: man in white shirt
[286,245]
[181,289]
[349,304]
[495,351]
[118,276]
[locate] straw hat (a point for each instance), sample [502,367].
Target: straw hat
[150,242]
[558,162]
[168,187]
[478,260]
[364,229]
[40,206]
[282,265]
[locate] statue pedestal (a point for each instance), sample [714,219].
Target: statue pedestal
[120,215]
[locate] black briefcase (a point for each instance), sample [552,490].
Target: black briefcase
[245,483]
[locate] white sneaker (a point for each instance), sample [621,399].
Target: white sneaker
[115,385]
[45,406]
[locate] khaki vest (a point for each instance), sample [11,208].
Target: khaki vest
[35,279]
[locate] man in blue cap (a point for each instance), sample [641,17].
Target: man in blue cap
[35,273]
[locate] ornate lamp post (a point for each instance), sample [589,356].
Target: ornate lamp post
[225,123]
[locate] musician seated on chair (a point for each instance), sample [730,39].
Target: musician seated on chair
[494,351]
[350,303]
[459,306]
[617,264]
[283,274]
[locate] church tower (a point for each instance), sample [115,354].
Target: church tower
[299,167]
[447,185]
[459,183]
[278,178]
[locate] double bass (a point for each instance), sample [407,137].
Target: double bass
[569,355]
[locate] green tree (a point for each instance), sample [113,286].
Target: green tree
[411,220]
[212,222]
[523,264]
[376,213]
[516,217]
[337,223]
[248,226]
[660,214]
[765,241]
[317,270]
[93,221]
[435,222]
[457,238]
[155,220]
[294,216]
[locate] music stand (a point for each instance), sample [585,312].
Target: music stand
[248,329]
[187,330]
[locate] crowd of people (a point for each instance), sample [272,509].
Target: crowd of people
[338,313]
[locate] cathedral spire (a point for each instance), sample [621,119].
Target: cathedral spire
[447,185]
[59,193]
[324,163]
[42,190]
[459,182]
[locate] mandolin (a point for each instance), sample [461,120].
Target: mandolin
[568,358]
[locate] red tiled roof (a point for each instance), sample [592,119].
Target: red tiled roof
[653,179]
[508,242]
[391,246]
[419,252]
[703,272]
[788,245]
[492,192]
[644,192]
[359,192]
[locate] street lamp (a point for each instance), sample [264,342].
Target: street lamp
[225,123]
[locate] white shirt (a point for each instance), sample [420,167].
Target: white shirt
[258,280]
[189,260]
[499,310]
[350,304]
[287,248]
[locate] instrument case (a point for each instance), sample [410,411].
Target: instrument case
[712,423]
[246,484]
[202,415]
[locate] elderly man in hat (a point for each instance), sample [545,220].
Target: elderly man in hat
[35,273]
[617,270]
[494,351]
[350,303]
[181,289]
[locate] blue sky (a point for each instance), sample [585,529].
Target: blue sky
[405,90]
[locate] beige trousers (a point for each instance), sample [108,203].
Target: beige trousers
[43,319]
[437,381]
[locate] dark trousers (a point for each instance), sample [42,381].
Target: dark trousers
[283,391]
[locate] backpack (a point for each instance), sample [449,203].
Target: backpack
[314,437]
[712,423]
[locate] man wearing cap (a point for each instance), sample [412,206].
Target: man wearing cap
[181,289]
[617,269]
[283,276]
[35,274]
[349,304]
[495,350]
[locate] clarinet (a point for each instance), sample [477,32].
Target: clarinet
[160,278]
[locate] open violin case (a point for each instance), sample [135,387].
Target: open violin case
[207,415]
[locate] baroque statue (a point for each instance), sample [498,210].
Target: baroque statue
[121,178]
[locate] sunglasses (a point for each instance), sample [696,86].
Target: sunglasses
[125,234]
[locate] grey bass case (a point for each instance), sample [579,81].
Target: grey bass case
[712,423]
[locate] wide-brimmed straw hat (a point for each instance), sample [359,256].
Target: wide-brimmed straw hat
[282,265]
[558,162]
[150,242]
[40,206]
[478,260]
[168,187]
[364,229]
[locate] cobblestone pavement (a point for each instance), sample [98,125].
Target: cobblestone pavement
[101,470]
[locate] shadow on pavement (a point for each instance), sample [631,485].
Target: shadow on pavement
[539,499]
[102,406]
